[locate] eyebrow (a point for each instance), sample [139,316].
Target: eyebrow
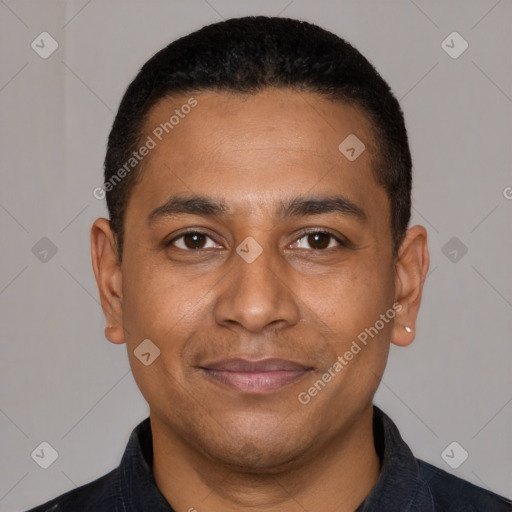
[294,207]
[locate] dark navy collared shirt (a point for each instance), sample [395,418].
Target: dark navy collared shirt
[405,484]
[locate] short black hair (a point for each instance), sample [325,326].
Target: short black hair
[247,55]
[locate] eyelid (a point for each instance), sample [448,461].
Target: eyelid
[342,241]
[196,231]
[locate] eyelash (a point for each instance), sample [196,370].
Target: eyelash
[340,241]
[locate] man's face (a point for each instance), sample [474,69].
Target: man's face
[304,299]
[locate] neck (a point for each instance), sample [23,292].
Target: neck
[338,476]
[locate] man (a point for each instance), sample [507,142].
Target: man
[258,263]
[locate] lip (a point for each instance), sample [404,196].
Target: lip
[255,377]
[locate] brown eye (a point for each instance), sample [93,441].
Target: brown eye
[192,241]
[317,240]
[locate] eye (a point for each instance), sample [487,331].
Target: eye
[192,240]
[317,240]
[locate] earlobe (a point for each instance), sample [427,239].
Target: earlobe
[114,334]
[107,271]
[402,335]
[410,273]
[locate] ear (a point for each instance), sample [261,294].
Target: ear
[107,270]
[411,269]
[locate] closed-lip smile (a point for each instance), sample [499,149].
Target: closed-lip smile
[255,376]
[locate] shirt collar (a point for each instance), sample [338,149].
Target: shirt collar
[135,487]
[399,486]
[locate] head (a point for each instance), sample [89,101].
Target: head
[244,230]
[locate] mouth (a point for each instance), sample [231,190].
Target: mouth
[255,377]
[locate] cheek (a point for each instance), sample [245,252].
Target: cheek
[157,306]
[169,307]
[153,300]
[350,306]
[351,299]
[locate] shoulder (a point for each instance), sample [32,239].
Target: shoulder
[453,494]
[93,496]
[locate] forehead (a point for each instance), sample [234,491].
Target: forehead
[255,148]
[304,121]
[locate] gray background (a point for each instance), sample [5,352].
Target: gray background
[62,382]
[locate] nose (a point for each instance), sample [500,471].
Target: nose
[257,294]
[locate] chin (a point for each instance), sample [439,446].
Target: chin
[251,454]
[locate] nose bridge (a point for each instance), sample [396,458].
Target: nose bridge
[256,293]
